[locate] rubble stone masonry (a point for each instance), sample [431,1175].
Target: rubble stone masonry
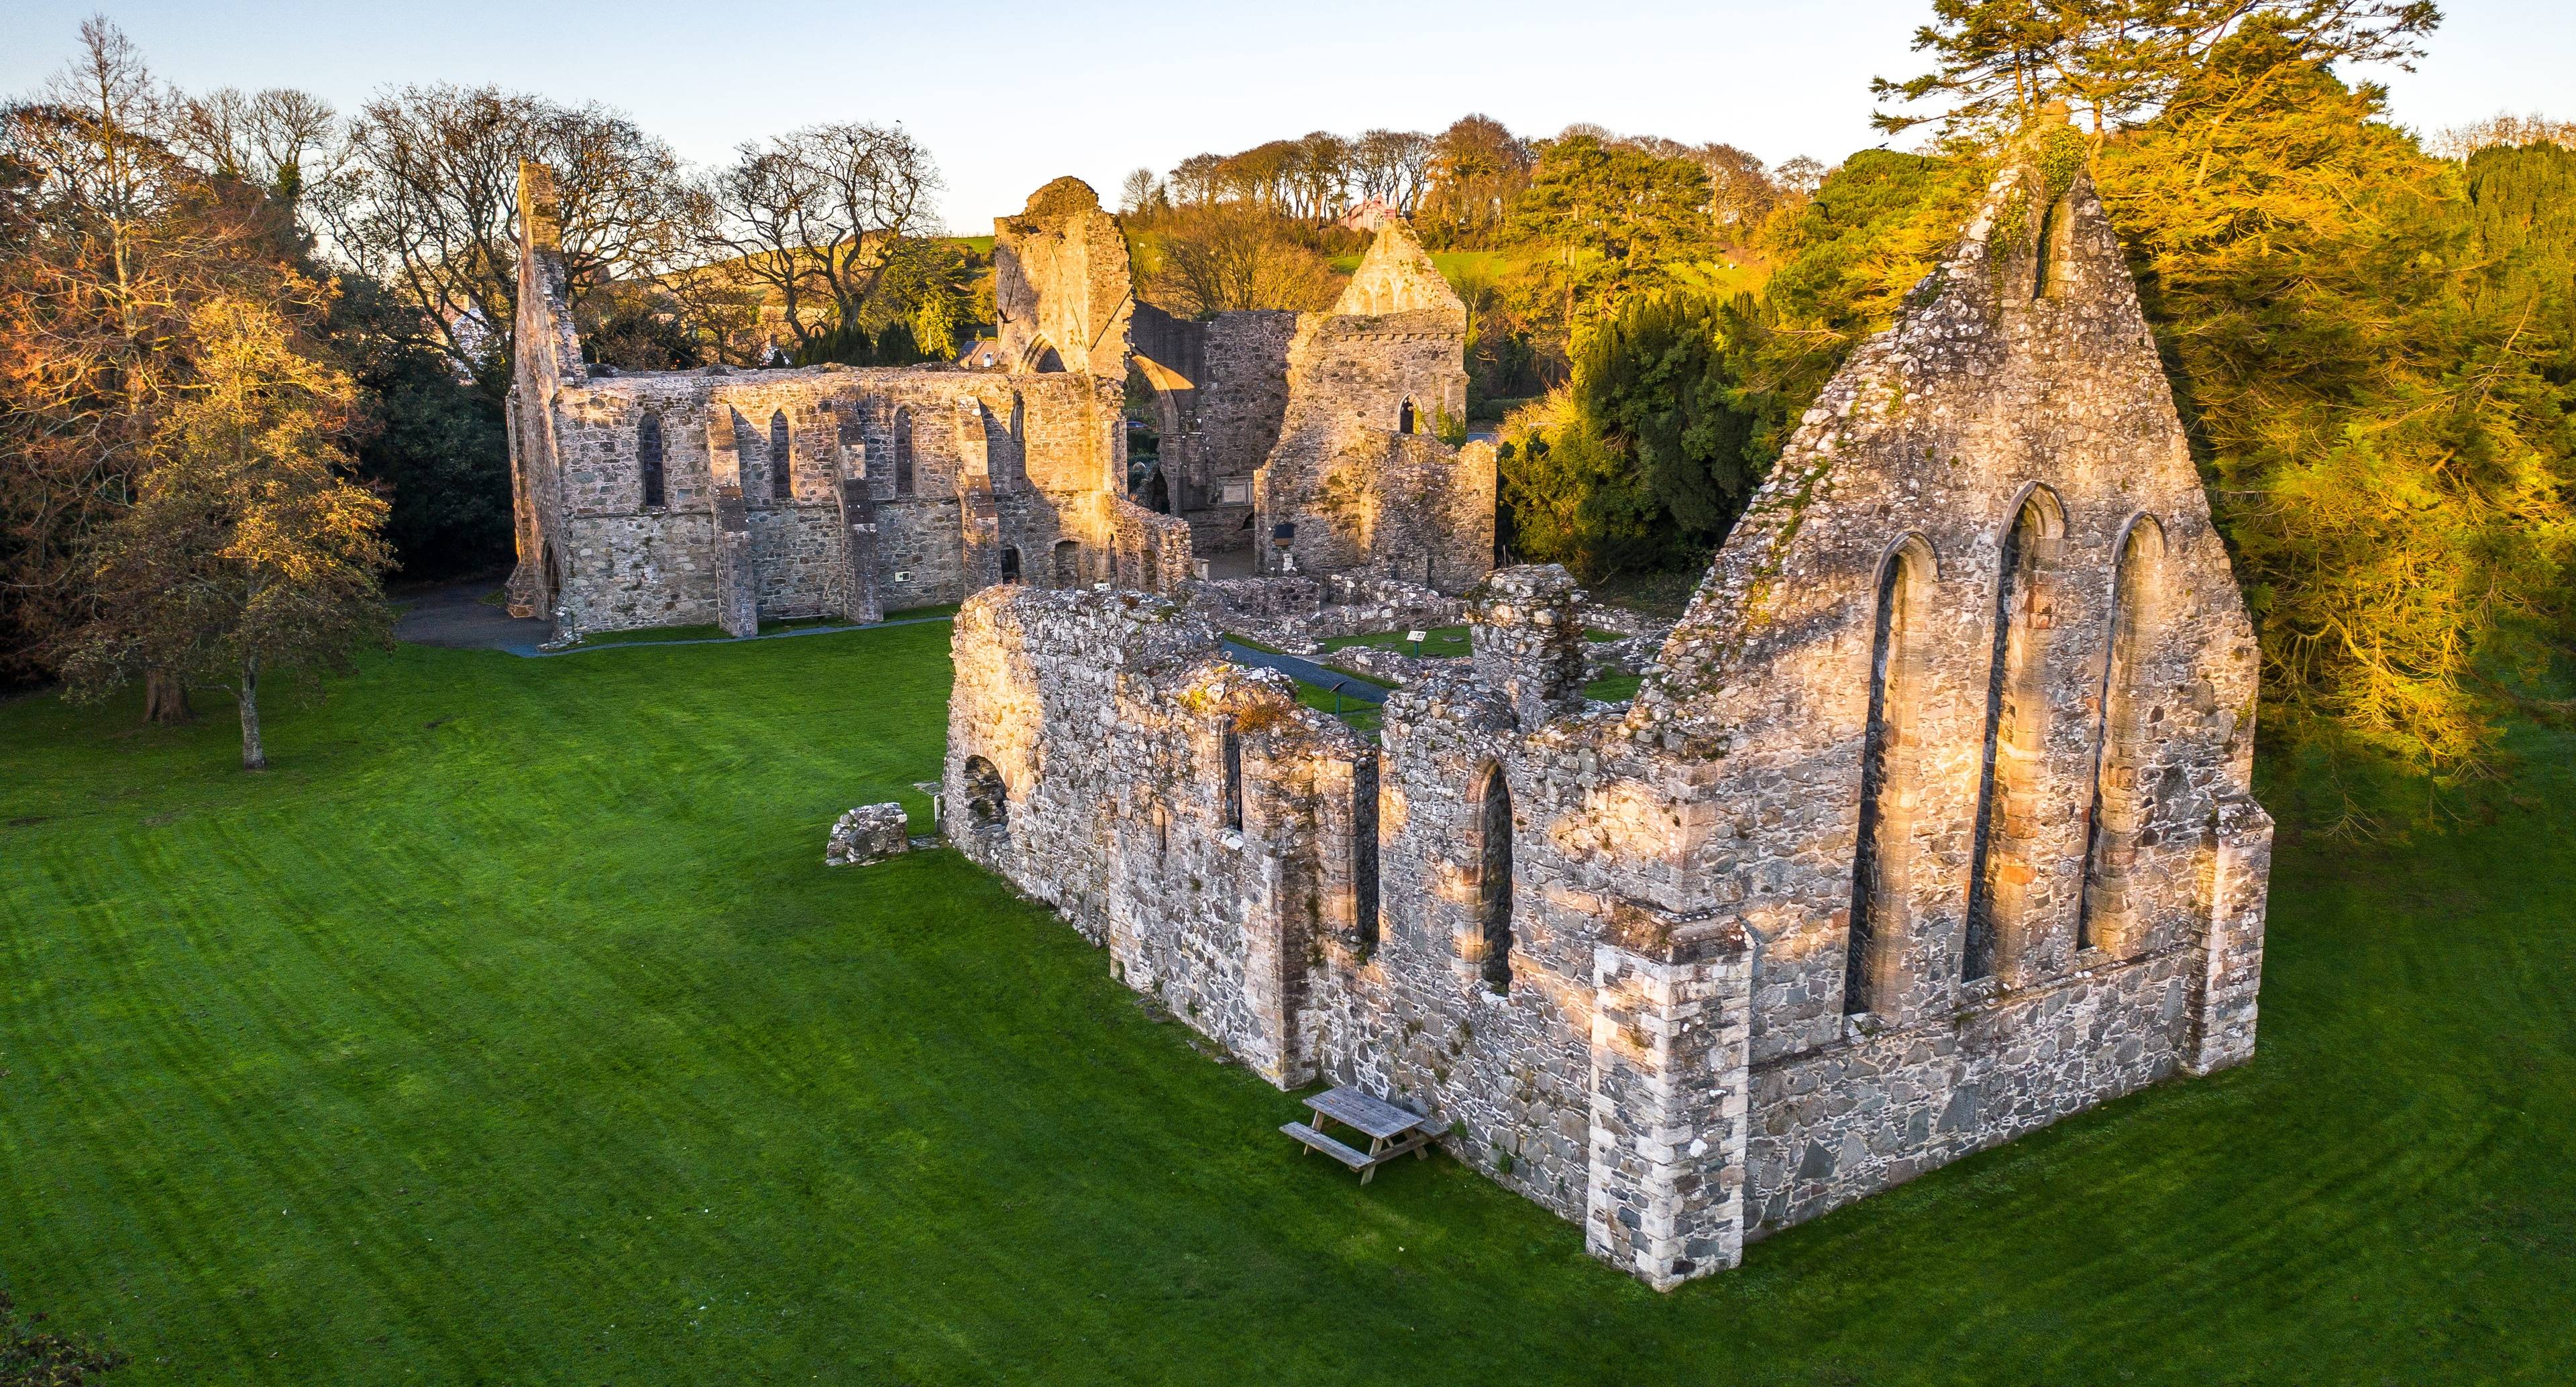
[1930,824]
[735,497]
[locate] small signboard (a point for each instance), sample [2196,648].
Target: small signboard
[1416,636]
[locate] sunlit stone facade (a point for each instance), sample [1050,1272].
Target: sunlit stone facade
[1931,824]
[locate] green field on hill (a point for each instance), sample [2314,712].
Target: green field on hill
[512,1030]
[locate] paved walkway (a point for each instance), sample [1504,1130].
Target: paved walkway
[456,617]
[1350,686]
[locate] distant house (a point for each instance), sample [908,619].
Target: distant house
[983,354]
[1369,215]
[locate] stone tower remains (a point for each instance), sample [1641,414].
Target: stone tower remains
[1931,824]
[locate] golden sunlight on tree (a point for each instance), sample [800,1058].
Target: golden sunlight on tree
[246,551]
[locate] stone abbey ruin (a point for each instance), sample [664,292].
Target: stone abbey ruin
[1931,821]
[1930,824]
[730,497]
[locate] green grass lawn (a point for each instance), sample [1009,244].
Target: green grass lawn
[1438,642]
[512,1031]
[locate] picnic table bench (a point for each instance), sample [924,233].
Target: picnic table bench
[1391,1130]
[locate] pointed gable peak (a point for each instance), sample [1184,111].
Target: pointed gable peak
[1397,276]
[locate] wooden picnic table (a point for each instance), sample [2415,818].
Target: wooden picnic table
[1392,1131]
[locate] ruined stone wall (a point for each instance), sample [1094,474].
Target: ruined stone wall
[548,356]
[1105,719]
[1242,397]
[625,565]
[1061,284]
[1980,472]
[1931,822]
[1350,484]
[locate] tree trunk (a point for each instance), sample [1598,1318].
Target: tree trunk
[165,699]
[254,756]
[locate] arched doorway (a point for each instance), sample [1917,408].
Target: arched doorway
[1010,563]
[988,800]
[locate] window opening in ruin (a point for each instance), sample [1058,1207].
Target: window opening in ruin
[1019,417]
[903,452]
[988,801]
[1494,879]
[648,458]
[1878,911]
[1010,563]
[1068,563]
[2122,798]
[1233,752]
[782,482]
[1364,853]
[2049,271]
[2000,869]
[1404,418]
[1162,830]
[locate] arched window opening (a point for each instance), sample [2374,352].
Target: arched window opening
[903,452]
[1010,563]
[1019,418]
[1068,563]
[782,481]
[2001,870]
[2123,798]
[2056,243]
[1879,914]
[1233,752]
[1494,878]
[1162,830]
[988,801]
[1364,852]
[648,458]
[1404,418]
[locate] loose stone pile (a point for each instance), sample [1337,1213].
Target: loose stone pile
[869,833]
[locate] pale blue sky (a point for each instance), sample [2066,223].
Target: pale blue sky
[1008,95]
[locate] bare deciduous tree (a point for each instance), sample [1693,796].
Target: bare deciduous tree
[1390,165]
[818,216]
[1140,192]
[425,198]
[265,139]
[1230,256]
